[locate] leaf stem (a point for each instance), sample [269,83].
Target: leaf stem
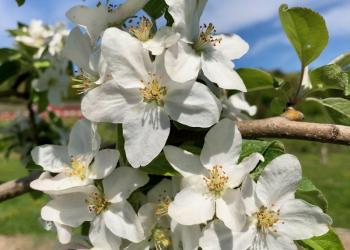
[294,100]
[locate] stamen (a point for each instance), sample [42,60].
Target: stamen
[216,181]
[162,207]
[161,239]
[83,82]
[77,169]
[206,38]
[143,29]
[153,91]
[266,219]
[97,203]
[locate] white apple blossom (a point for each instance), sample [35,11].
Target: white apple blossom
[210,179]
[236,106]
[161,231]
[54,80]
[142,97]
[36,34]
[87,57]
[56,41]
[97,19]
[111,215]
[200,48]
[275,217]
[76,165]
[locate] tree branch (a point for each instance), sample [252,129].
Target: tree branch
[280,127]
[275,127]
[17,187]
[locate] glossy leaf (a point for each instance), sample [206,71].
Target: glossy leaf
[7,54]
[155,8]
[20,2]
[338,104]
[160,166]
[256,79]
[9,69]
[310,193]
[306,30]
[329,241]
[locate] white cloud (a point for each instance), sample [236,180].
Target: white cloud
[266,42]
[338,20]
[229,15]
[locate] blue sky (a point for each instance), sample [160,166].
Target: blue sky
[255,20]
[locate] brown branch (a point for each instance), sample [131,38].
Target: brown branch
[275,127]
[280,127]
[17,187]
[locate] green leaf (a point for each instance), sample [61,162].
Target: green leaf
[341,105]
[310,193]
[256,79]
[160,166]
[330,76]
[329,241]
[20,2]
[7,54]
[155,8]
[9,69]
[269,149]
[343,61]
[306,30]
[42,64]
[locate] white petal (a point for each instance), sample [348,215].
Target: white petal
[300,220]
[93,19]
[185,236]
[147,217]
[222,145]
[68,209]
[190,207]
[122,220]
[160,191]
[105,162]
[236,174]
[279,180]
[251,202]
[217,236]
[145,136]
[182,63]
[164,38]
[122,182]
[64,233]
[230,209]
[218,69]
[51,157]
[78,49]
[83,139]
[232,46]
[59,184]
[193,104]
[128,61]
[127,9]
[238,102]
[276,242]
[186,15]
[101,237]
[109,103]
[186,163]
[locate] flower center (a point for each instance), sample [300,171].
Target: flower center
[154,92]
[83,82]
[216,181]
[143,29]
[266,218]
[206,38]
[77,169]
[97,203]
[161,239]
[162,207]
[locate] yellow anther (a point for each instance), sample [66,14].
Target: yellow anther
[217,180]
[154,92]
[162,207]
[161,239]
[266,218]
[206,38]
[143,30]
[97,203]
[77,169]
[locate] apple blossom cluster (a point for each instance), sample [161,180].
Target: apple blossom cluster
[48,41]
[145,79]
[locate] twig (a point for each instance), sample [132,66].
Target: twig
[275,127]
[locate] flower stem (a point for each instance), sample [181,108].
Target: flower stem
[120,145]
